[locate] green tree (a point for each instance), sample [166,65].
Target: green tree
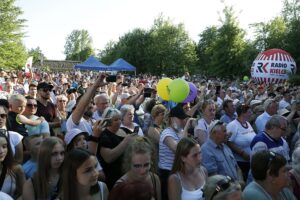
[171,50]
[12,51]
[271,34]
[78,45]
[37,54]
[222,50]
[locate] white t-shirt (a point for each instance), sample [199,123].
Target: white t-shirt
[83,125]
[14,139]
[241,137]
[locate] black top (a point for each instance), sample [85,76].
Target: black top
[113,170]
[15,125]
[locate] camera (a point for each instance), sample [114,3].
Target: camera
[111,78]
[71,90]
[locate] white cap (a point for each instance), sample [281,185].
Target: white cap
[283,111]
[70,135]
[5,196]
[254,102]
[124,96]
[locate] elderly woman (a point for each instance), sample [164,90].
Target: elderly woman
[270,177]
[128,126]
[219,187]
[62,114]
[295,172]
[111,145]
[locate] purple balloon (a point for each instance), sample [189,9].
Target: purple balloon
[193,93]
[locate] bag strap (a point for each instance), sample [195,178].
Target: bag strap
[3,175]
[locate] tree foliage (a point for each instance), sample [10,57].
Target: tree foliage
[222,50]
[165,48]
[12,51]
[78,45]
[37,54]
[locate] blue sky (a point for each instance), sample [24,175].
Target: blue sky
[50,21]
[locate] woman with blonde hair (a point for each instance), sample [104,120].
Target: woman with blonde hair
[138,165]
[208,115]
[46,182]
[188,176]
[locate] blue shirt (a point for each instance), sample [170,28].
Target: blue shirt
[227,119]
[42,128]
[261,121]
[29,168]
[219,159]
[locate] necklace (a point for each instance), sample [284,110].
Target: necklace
[244,125]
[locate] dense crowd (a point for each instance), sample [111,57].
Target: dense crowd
[87,135]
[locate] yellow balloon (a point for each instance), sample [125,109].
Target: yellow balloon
[162,88]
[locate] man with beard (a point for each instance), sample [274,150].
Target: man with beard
[81,117]
[45,107]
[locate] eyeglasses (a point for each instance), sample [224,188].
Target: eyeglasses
[139,166]
[47,90]
[271,158]
[3,115]
[222,185]
[31,105]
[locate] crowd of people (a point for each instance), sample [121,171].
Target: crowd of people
[82,135]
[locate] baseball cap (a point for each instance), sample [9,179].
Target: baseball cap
[178,112]
[43,85]
[283,111]
[255,102]
[70,135]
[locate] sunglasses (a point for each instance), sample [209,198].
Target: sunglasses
[271,158]
[31,105]
[47,90]
[139,166]
[3,115]
[222,185]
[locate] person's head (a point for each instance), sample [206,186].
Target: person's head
[62,101]
[44,89]
[177,118]
[287,96]
[149,105]
[102,102]
[296,160]
[79,170]
[187,156]
[270,106]
[158,111]
[113,118]
[6,156]
[3,116]
[137,158]
[244,111]
[276,126]
[17,103]
[270,167]
[32,144]
[209,110]
[217,132]
[32,89]
[228,107]
[133,190]
[51,154]
[31,106]
[260,89]
[219,187]
[127,112]
[76,138]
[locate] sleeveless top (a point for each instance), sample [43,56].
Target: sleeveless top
[9,185]
[190,195]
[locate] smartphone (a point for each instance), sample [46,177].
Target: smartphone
[218,88]
[111,78]
[136,130]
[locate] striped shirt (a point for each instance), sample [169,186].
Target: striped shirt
[166,155]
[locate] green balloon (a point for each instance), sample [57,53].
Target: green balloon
[246,78]
[179,90]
